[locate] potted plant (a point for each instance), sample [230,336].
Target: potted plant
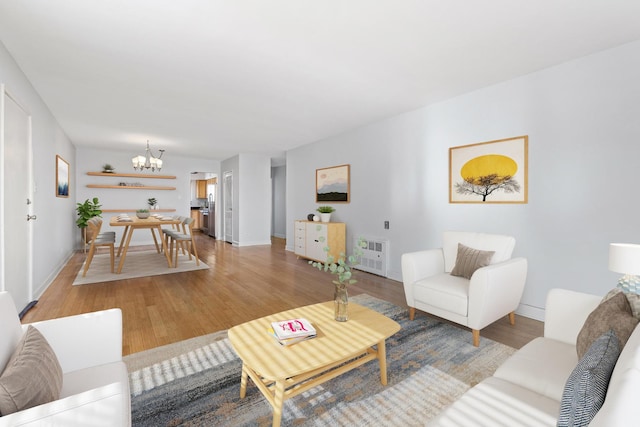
[107,168]
[86,211]
[153,202]
[325,213]
[341,268]
[142,213]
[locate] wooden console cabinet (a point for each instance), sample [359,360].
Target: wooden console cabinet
[311,238]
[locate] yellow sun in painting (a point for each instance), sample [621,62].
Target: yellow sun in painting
[490,164]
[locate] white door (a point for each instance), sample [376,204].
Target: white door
[16,271]
[227,184]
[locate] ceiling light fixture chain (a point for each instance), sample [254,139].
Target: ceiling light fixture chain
[148,161]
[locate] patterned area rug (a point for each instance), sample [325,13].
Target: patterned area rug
[197,382]
[136,264]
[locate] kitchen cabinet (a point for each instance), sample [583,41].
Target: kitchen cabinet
[311,238]
[195,215]
[201,189]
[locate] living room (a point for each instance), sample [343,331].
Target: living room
[580,116]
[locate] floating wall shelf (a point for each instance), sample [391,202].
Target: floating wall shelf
[132,187]
[132,175]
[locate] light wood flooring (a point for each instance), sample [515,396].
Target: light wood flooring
[242,283]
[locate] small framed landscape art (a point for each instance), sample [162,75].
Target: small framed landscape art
[489,172]
[62,177]
[332,184]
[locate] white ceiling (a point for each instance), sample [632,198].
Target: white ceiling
[214,78]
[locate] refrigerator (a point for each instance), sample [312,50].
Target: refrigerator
[212,211]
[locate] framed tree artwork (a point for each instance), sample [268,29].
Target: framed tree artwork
[62,177]
[489,172]
[332,184]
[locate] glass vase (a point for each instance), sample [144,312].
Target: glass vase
[341,303]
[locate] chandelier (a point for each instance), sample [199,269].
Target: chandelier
[148,161]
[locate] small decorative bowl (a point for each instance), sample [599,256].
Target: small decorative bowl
[142,215]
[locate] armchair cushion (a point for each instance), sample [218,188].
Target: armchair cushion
[614,313]
[469,260]
[451,293]
[32,376]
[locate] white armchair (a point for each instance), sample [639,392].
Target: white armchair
[492,292]
[88,347]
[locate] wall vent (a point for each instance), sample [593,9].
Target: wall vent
[375,256]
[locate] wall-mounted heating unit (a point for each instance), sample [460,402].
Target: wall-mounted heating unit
[375,256]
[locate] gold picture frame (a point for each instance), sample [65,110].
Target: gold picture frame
[490,172]
[62,177]
[333,184]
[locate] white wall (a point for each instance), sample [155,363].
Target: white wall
[91,160]
[254,204]
[279,192]
[584,146]
[53,230]
[251,198]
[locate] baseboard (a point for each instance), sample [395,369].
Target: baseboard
[531,312]
[37,292]
[254,243]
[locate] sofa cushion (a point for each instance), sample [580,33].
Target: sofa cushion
[450,292]
[496,402]
[614,313]
[542,366]
[82,380]
[32,376]
[586,387]
[469,260]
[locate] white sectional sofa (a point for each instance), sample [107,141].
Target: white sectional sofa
[88,347]
[527,389]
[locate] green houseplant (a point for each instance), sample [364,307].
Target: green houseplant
[142,213]
[325,213]
[341,268]
[107,168]
[86,211]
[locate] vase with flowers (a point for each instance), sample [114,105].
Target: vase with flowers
[341,268]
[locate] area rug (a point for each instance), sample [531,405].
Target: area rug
[197,382]
[136,264]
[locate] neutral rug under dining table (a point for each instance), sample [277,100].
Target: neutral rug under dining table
[139,264]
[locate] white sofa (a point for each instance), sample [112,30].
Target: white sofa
[492,292]
[527,389]
[95,388]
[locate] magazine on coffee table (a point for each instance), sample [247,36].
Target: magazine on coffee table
[289,341]
[293,328]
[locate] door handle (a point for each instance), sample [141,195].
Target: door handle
[31,217]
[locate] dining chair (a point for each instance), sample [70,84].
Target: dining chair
[175,228]
[180,239]
[98,239]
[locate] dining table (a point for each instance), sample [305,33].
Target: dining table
[131,223]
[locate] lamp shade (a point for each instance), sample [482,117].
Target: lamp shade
[624,258]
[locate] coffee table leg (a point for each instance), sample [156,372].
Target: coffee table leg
[278,402]
[243,382]
[382,359]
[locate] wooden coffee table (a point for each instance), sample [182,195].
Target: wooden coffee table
[282,372]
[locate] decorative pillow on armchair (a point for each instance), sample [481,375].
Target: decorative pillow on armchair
[469,260]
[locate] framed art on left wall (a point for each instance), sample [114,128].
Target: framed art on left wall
[62,177]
